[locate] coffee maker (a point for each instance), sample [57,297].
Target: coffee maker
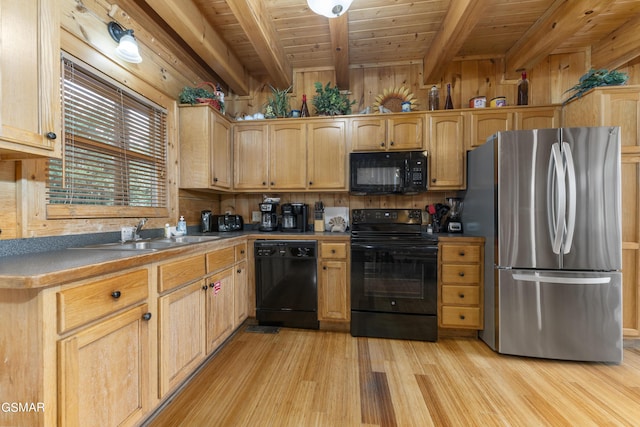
[269,219]
[294,217]
[454,221]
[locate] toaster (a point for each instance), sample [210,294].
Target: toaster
[227,222]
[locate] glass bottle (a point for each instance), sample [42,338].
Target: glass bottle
[448,103]
[523,90]
[304,110]
[434,98]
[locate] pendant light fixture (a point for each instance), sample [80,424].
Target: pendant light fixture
[329,8]
[127,45]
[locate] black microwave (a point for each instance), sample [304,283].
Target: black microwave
[400,172]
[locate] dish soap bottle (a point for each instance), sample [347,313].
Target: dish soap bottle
[434,98]
[182,225]
[304,110]
[523,90]
[448,103]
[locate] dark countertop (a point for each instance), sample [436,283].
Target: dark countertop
[43,269]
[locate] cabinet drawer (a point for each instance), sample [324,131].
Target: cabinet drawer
[333,250]
[220,259]
[460,273]
[179,272]
[460,253]
[468,295]
[465,317]
[85,303]
[241,251]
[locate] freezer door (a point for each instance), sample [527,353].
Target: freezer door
[561,315]
[593,238]
[525,234]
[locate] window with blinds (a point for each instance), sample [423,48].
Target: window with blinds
[114,158]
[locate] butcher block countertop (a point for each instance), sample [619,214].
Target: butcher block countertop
[44,269]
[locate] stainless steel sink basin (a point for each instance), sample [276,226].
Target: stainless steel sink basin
[151,244]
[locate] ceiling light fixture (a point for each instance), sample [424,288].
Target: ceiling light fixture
[127,45]
[329,8]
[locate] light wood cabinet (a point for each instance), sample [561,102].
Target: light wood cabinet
[333,283]
[446,151]
[327,155]
[537,117]
[205,148]
[103,372]
[460,283]
[482,123]
[241,294]
[250,157]
[219,308]
[30,79]
[620,106]
[397,132]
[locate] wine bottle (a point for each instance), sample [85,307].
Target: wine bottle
[304,110]
[434,99]
[523,90]
[448,103]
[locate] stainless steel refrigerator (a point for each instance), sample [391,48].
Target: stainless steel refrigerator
[548,203]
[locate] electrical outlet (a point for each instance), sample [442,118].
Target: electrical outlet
[256,216]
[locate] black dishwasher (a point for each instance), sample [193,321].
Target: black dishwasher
[286,283]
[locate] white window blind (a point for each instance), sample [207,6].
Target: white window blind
[114,154]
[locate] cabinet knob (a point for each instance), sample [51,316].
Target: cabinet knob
[215,179]
[241,251]
[204,287]
[324,267]
[382,144]
[146,316]
[51,135]
[310,182]
[116,294]
[434,180]
[461,253]
[239,271]
[461,274]
[264,183]
[273,183]
[391,143]
[462,317]
[333,251]
[461,295]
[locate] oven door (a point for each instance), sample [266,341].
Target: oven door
[394,277]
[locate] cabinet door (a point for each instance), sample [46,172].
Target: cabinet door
[103,372]
[368,134]
[196,125]
[333,292]
[327,155]
[483,124]
[30,77]
[446,150]
[251,157]
[631,246]
[241,294]
[287,156]
[181,334]
[219,308]
[405,133]
[221,154]
[537,118]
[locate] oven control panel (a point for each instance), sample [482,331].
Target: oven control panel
[386,216]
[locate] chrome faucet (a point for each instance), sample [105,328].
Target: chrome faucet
[136,234]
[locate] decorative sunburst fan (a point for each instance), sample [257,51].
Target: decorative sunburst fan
[393,98]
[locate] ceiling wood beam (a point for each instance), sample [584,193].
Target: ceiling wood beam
[618,48]
[257,24]
[558,24]
[339,31]
[186,20]
[462,16]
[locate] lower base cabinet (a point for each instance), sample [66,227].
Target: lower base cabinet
[333,283]
[104,372]
[219,308]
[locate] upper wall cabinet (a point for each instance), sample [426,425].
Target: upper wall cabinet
[29,79]
[397,132]
[327,155]
[482,123]
[537,117]
[446,151]
[205,148]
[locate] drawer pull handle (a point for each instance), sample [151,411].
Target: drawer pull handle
[146,316]
[333,251]
[461,274]
[116,294]
[461,295]
[462,317]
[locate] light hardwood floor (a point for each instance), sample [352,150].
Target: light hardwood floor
[315,378]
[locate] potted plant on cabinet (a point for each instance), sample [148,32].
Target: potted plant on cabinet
[328,100]
[278,103]
[200,95]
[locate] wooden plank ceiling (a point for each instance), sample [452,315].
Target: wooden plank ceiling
[268,39]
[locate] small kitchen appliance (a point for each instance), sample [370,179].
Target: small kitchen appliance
[269,218]
[454,220]
[401,172]
[294,217]
[227,222]
[206,225]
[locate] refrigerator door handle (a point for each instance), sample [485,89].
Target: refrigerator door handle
[536,278]
[556,198]
[571,214]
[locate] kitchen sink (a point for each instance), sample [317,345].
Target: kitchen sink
[151,244]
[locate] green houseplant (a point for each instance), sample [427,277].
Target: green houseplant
[596,78]
[329,101]
[201,95]
[278,103]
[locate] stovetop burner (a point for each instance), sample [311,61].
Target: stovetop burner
[391,224]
